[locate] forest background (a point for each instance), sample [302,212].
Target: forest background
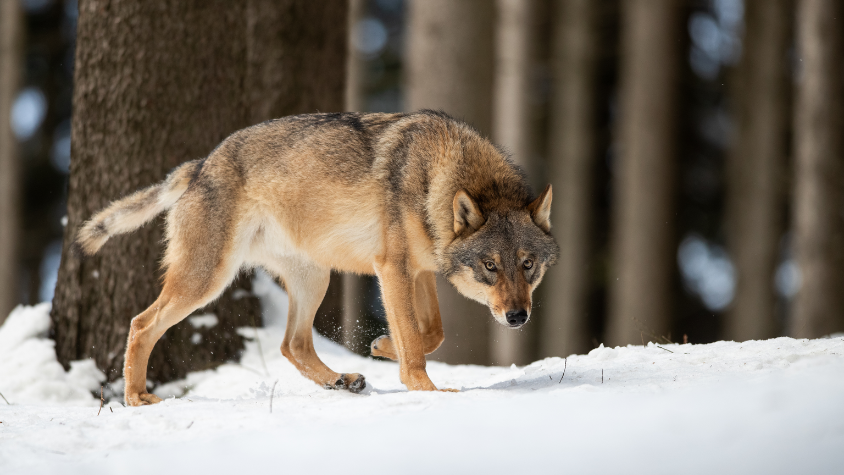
[695,150]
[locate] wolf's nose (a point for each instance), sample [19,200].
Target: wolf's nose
[517,318]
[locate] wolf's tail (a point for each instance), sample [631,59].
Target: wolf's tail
[133,211]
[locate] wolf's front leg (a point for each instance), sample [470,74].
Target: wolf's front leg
[306,284]
[426,308]
[397,289]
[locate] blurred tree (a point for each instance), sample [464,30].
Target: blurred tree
[158,83]
[450,67]
[355,62]
[643,207]
[355,287]
[819,169]
[44,142]
[573,155]
[756,202]
[11,55]
[516,127]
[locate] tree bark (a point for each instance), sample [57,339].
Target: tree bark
[756,167]
[297,51]
[450,67]
[819,175]
[642,243]
[515,125]
[572,162]
[158,83]
[11,59]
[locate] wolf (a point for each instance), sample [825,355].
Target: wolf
[402,196]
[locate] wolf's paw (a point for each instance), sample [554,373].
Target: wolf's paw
[142,399]
[352,382]
[448,390]
[383,347]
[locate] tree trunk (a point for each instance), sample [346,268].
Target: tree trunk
[756,167]
[11,59]
[819,174]
[158,83]
[642,243]
[355,63]
[297,51]
[450,67]
[573,158]
[515,127]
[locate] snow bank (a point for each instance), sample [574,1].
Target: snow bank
[29,372]
[754,407]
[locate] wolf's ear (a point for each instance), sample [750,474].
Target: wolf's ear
[540,210]
[467,216]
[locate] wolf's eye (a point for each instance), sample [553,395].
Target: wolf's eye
[490,266]
[528,263]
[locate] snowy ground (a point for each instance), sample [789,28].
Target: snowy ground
[773,406]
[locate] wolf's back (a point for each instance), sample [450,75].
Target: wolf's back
[129,213]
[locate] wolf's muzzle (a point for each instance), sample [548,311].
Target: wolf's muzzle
[517,318]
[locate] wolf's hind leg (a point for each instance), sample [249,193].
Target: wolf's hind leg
[306,284]
[200,267]
[178,299]
[427,315]
[144,331]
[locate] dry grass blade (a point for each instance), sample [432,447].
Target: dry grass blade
[666,349]
[260,350]
[101,401]
[4,398]
[565,364]
[272,393]
[645,329]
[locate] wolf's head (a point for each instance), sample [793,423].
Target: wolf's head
[499,257]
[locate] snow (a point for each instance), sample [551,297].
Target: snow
[770,406]
[29,370]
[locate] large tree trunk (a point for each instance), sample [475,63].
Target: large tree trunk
[642,243]
[158,83]
[819,156]
[756,167]
[297,51]
[572,161]
[11,60]
[515,126]
[450,67]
